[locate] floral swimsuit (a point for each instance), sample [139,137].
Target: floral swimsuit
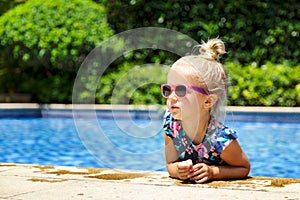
[216,139]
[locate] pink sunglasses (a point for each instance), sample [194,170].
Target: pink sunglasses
[180,90]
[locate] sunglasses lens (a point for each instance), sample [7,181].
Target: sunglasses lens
[180,90]
[166,90]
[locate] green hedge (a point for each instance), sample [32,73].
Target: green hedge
[6,5]
[266,85]
[254,31]
[132,84]
[43,43]
[251,85]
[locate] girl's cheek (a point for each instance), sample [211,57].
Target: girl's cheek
[168,104]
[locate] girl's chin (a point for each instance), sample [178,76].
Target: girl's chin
[176,115]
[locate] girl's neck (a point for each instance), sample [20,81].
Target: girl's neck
[196,129]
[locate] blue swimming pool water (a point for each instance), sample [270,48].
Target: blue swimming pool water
[273,148]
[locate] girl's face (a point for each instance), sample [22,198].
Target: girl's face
[188,107]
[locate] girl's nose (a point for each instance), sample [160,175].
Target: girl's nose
[172,96]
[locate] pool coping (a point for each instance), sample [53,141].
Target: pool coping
[21,181]
[235,113]
[139,107]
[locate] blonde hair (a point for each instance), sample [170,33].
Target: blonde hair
[209,73]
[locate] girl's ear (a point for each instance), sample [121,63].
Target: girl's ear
[210,100]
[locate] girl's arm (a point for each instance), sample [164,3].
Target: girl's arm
[238,166]
[175,168]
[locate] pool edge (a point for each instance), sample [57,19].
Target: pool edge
[37,182]
[234,113]
[138,107]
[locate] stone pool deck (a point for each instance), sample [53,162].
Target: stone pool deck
[49,182]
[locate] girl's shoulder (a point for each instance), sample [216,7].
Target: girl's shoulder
[225,132]
[222,135]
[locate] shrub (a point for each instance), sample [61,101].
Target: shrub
[133,84]
[5,5]
[43,43]
[266,85]
[257,31]
[251,85]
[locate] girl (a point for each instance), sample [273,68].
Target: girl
[198,146]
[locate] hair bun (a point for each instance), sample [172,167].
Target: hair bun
[212,49]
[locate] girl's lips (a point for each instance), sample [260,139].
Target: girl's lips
[174,107]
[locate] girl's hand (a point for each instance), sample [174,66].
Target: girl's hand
[201,173]
[185,169]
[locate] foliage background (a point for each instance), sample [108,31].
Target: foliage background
[43,44]
[41,58]
[254,31]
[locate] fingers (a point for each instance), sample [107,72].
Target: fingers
[183,175]
[185,165]
[184,169]
[201,173]
[203,180]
